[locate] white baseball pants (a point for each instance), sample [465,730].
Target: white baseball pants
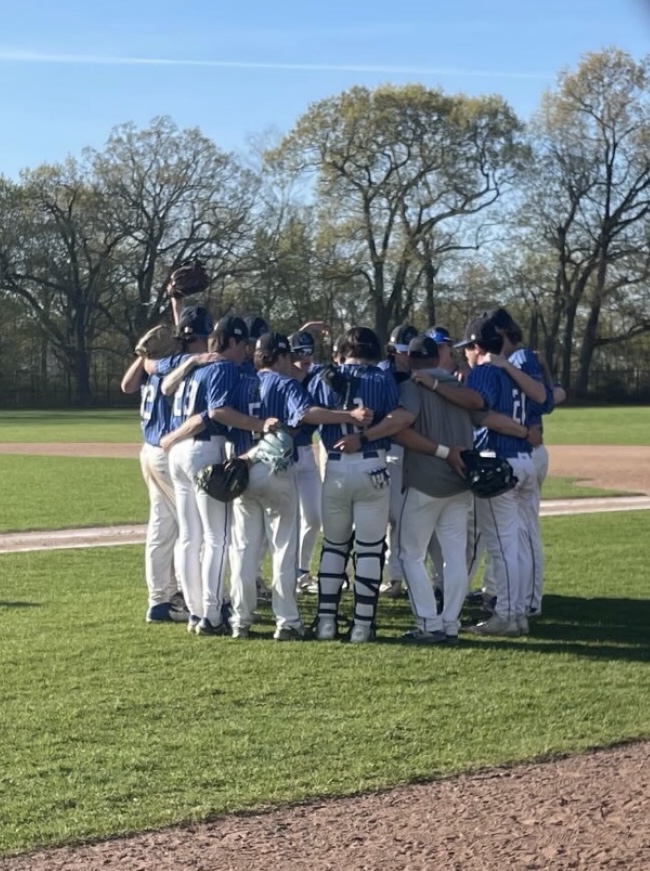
[268,509]
[162,525]
[309,494]
[203,528]
[529,495]
[448,517]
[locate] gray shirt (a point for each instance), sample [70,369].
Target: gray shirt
[443,423]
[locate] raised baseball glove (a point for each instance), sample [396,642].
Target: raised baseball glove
[157,342]
[488,476]
[224,481]
[188,278]
[275,450]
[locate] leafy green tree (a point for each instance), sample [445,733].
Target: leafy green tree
[394,169]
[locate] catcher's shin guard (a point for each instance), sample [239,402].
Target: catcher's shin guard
[331,575]
[368,568]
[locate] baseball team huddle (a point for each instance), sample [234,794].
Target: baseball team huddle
[372,450]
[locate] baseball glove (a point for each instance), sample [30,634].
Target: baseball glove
[189,278]
[224,481]
[157,342]
[275,450]
[488,476]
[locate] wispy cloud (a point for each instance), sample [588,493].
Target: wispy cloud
[15,56]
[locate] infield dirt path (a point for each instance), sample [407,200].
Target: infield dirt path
[584,812]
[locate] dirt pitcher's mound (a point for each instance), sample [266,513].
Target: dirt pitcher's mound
[586,812]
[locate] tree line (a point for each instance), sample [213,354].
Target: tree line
[379,206]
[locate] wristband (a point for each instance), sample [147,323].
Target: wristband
[435,385]
[363,439]
[442,452]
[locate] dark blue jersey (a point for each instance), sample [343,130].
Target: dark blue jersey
[205,389]
[270,394]
[367,387]
[525,359]
[155,411]
[248,368]
[500,394]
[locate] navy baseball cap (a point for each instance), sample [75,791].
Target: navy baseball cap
[273,341]
[194,322]
[256,327]
[401,336]
[302,343]
[423,348]
[232,327]
[439,335]
[482,331]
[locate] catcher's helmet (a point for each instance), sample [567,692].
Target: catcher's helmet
[400,338]
[195,322]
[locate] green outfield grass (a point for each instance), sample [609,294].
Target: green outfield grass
[624,425]
[63,492]
[118,425]
[556,487]
[112,726]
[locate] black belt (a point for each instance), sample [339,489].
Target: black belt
[366,455]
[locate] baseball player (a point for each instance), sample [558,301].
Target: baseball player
[256,327]
[522,366]
[500,518]
[162,524]
[356,490]
[200,415]
[268,508]
[307,473]
[397,364]
[443,340]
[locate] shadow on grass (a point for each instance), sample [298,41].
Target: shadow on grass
[19,604]
[601,628]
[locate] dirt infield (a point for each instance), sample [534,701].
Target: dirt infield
[585,812]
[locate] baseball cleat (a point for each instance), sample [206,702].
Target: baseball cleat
[522,623]
[192,623]
[326,628]
[419,636]
[241,632]
[289,633]
[496,626]
[205,627]
[361,633]
[167,612]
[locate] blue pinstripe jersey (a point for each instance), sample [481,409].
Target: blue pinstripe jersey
[205,389]
[155,411]
[368,387]
[500,394]
[524,359]
[270,394]
[248,368]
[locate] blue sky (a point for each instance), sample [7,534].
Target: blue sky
[71,70]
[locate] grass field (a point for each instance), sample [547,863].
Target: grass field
[64,492]
[625,425]
[112,726]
